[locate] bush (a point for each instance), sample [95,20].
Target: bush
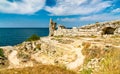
[1,52]
[34,37]
[86,71]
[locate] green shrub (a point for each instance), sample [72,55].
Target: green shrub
[86,71]
[1,52]
[34,37]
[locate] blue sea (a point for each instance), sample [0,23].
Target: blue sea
[13,36]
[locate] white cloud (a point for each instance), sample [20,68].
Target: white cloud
[67,19]
[117,10]
[21,7]
[92,18]
[77,7]
[100,17]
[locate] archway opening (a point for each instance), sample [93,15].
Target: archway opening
[109,30]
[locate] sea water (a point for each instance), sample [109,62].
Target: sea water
[13,36]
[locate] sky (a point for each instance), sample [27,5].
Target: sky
[70,13]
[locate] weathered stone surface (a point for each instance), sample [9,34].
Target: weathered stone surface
[117,31]
[61,27]
[3,62]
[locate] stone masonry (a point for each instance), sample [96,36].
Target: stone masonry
[52,27]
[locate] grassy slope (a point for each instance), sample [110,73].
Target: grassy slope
[41,69]
[111,63]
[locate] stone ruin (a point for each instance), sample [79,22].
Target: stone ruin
[52,27]
[61,27]
[97,29]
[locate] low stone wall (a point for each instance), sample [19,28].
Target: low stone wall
[75,32]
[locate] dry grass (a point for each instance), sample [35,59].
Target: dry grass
[110,54]
[113,41]
[91,51]
[41,69]
[111,62]
[63,40]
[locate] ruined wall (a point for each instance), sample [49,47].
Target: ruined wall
[103,28]
[52,27]
[74,32]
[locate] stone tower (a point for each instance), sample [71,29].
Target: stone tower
[52,27]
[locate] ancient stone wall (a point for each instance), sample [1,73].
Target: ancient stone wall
[74,32]
[103,28]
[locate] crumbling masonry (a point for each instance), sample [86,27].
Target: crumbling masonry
[52,27]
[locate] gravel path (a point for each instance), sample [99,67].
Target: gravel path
[79,61]
[14,61]
[80,58]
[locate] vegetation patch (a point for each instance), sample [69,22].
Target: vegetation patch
[23,56]
[86,71]
[115,36]
[41,69]
[34,37]
[3,60]
[108,59]
[111,62]
[1,53]
[63,41]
